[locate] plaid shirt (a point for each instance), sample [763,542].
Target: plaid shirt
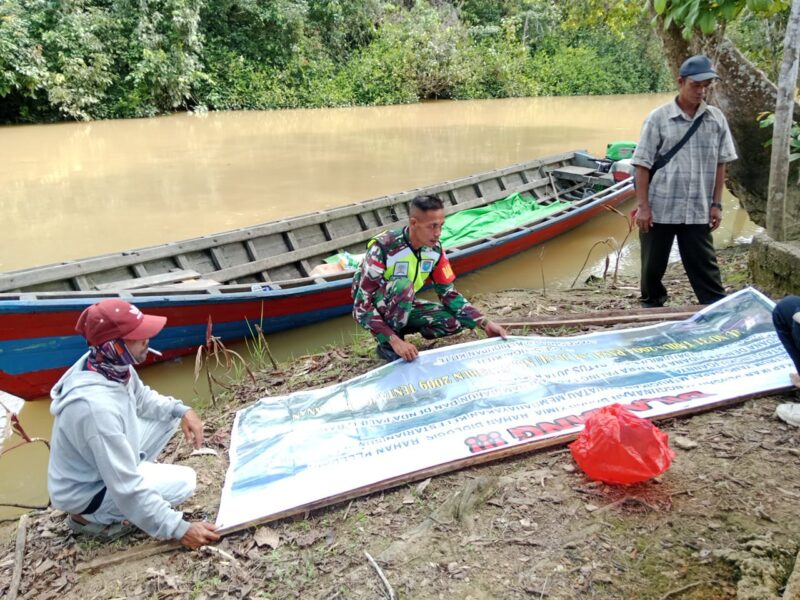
[683,189]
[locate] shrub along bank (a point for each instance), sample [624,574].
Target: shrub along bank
[94,59]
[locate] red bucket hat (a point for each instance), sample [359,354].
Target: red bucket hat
[113,318]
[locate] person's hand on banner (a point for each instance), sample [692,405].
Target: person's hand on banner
[493,329]
[405,350]
[200,533]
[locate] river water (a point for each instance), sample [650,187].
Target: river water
[78,189]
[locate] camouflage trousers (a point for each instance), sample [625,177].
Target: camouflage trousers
[405,313]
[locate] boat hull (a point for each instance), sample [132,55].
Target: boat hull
[38,340]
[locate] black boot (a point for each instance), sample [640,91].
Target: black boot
[386,352]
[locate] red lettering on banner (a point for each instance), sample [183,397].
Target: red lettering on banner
[485,441]
[527,432]
[646,403]
[560,424]
[524,432]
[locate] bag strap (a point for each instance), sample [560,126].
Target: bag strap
[663,160]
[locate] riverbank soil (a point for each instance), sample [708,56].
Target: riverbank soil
[723,522]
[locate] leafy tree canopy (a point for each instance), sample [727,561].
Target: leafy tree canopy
[90,59]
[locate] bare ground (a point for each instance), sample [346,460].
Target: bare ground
[721,523]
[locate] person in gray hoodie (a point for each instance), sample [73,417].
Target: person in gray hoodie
[109,428]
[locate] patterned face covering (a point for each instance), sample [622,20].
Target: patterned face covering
[111,359]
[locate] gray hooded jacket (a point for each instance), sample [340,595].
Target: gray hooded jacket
[95,443]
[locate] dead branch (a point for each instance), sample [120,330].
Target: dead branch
[24,506]
[541,268]
[588,256]
[347,512]
[679,590]
[25,443]
[263,340]
[621,247]
[221,553]
[386,584]
[19,557]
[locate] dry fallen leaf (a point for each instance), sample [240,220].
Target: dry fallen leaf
[684,443]
[204,452]
[422,486]
[265,536]
[309,538]
[45,566]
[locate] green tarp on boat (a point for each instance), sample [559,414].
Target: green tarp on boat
[476,223]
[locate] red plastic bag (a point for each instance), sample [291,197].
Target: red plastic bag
[618,447]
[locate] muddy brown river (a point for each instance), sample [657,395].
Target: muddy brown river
[78,189]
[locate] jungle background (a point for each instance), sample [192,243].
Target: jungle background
[101,59]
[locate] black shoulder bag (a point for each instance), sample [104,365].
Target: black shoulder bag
[663,160]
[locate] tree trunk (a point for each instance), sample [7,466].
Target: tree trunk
[743,93]
[782,224]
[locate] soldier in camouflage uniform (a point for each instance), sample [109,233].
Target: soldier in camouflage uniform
[397,265]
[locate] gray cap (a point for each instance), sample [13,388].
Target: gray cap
[698,68]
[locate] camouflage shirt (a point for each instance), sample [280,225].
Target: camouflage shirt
[370,281]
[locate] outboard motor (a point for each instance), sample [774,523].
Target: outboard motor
[621,153]
[622,169]
[620,150]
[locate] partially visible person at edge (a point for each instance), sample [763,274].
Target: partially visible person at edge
[396,266]
[786,318]
[109,428]
[683,199]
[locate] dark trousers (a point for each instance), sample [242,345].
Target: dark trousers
[787,328]
[697,254]
[404,313]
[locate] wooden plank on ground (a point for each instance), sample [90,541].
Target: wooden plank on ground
[139,552]
[645,315]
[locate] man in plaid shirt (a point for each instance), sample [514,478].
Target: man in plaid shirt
[396,266]
[682,199]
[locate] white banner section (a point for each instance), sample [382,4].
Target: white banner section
[456,402]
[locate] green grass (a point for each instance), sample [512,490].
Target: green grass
[201,584]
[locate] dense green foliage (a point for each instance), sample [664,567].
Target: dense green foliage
[707,15]
[760,37]
[88,59]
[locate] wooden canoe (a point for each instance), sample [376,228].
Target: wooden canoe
[262,275]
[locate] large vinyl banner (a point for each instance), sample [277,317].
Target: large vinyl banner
[486,396]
